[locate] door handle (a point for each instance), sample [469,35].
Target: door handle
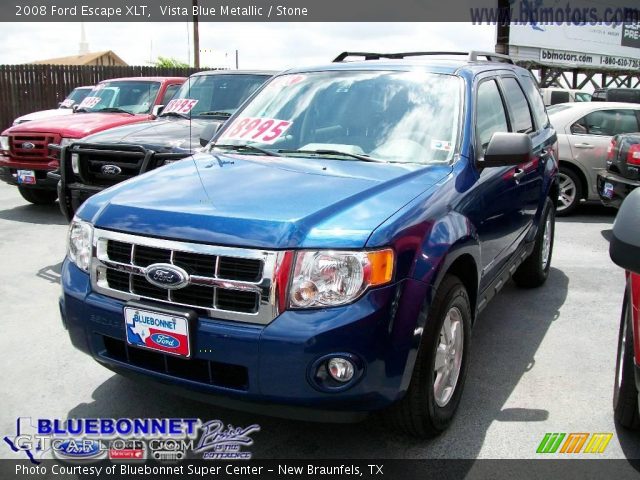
[518,174]
[583,145]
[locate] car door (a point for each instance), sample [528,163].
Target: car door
[590,135]
[500,218]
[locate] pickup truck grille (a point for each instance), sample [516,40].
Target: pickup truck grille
[31,146]
[226,283]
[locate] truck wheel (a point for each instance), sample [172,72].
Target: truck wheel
[38,197]
[570,191]
[625,393]
[438,377]
[534,271]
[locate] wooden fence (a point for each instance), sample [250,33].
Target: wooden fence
[29,88]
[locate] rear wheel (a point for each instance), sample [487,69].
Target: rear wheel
[625,392]
[37,196]
[570,191]
[441,365]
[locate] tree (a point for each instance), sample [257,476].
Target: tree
[168,62]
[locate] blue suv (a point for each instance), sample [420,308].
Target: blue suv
[329,251]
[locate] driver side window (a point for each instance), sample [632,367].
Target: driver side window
[490,114]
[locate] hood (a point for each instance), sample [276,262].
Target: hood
[262,202]
[168,133]
[54,112]
[78,125]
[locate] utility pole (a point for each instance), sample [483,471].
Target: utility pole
[196,38]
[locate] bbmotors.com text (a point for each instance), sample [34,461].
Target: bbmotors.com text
[524,14]
[565,57]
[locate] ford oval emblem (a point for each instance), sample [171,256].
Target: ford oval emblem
[28,146]
[165,340]
[78,449]
[165,275]
[111,170]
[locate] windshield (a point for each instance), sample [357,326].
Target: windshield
[75,97]
[410,117]
[121,95]
[213,95]
[583,97]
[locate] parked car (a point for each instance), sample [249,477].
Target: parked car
[623,169]
[631,95]
[555,95]
[26,153]
[111,156]
[64,108]
[330,249]
[625,252]
[584,134]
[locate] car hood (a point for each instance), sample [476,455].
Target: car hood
[79,124]
[262,202]
[163,132]
[42,114]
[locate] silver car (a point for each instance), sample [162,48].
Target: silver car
[584,134]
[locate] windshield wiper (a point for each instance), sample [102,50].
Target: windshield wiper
[362,158]
[249,148]
[174,114]
[216,113]
[115,110]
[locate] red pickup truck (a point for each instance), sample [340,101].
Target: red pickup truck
[25,150]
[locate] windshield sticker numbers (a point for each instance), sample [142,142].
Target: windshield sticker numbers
[286,81]
[180,105]
[67,103]
[440,145]
[256,129]
[89,102]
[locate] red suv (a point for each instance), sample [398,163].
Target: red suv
[28,151]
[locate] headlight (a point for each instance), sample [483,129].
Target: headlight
[75,166]
[80,244]
[68,141]
[4,143]
[331,278]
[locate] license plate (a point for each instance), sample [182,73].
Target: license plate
[27,177]
[163,332]
[607,190]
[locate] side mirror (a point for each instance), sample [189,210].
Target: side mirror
[624,248]
[208,132]
[507,149]
[75,107]
[157,110]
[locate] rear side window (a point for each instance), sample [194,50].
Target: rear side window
[559,97]
[169,93]
[490,114]
[537,105]
[518,106]
[607,123]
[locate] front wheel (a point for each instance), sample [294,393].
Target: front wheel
[441,365]
[37,196]
[625,392]
[534,271]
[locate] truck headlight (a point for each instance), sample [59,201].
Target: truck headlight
[4,143]
[80,243]
[331,278]
[68,141]
[75,163]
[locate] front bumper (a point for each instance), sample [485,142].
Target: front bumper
[9,174]
[613,189]
[266,369]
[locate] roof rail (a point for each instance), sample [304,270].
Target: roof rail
[472,56]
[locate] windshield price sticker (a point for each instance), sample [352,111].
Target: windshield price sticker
[180,105]
[287,80]
[89,102]
[66,103]
[262,130]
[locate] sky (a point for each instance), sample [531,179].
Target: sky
[260,45]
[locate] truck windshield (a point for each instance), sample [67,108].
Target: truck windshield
[75,97]
[216,95]
[121,95]
[408,117]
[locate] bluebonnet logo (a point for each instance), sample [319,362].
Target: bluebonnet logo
[218,443]
[165,340]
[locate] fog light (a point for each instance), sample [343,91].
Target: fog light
[340,369]
[74,163]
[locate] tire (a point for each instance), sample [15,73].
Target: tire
[38,197]
[625,392]
[570,191]
[534,271]
[420,413]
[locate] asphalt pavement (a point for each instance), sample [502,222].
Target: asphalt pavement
[542,360]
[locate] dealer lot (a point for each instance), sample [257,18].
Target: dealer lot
[542,360]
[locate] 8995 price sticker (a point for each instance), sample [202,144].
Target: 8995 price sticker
[256,129]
